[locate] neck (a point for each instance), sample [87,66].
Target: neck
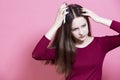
[84,43]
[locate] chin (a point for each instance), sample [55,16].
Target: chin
[83,39]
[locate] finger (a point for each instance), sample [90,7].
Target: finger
[63,10]
[64,2]
[66,13]
[64,20]
[63,5]
[85,10]
[85,14]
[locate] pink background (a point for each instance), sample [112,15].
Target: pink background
[22,24]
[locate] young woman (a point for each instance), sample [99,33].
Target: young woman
[73,49]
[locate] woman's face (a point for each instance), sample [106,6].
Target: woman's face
[80,28]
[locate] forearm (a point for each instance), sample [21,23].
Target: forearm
[104,21]
[51,31]
[58,22]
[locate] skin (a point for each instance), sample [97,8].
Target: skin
[80,28]
[81,31]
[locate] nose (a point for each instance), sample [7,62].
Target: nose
[80,32]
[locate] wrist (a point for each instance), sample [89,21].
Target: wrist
[56,25]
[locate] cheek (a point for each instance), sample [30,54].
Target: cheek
[75,33]
[86,30]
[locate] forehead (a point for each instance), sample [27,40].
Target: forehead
[78,21]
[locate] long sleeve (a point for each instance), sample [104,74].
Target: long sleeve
[111,42]
[41,52]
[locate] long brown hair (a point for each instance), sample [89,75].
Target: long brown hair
[64,41]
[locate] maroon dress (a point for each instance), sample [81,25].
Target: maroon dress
[88,60]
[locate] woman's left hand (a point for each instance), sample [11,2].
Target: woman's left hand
[91,14]
[95,17]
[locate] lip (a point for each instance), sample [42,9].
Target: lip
[82,36]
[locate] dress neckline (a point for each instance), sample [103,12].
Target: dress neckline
[94,38]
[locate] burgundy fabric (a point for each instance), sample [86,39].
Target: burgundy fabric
[88,60]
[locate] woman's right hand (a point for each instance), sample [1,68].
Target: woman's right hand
[58,21]
[60,18]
